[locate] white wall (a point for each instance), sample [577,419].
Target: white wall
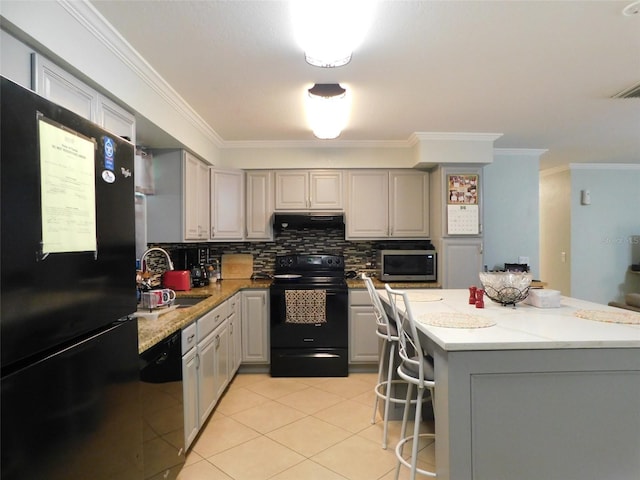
[601,231]
[511,218]
[327,157]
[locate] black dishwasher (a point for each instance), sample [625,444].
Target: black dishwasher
[162,408]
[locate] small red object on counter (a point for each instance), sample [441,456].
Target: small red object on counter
[472,295]
[479,298]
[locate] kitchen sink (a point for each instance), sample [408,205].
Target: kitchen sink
[185,302]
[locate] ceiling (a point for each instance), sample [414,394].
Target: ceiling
[542,73]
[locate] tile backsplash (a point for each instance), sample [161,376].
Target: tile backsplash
[358,255]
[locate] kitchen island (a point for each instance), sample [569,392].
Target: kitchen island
[538,394]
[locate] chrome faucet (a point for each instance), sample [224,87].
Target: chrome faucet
[156,249]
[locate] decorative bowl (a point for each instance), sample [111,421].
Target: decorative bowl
[506,288]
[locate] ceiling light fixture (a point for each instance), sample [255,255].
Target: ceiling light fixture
[329,30]
[327,109]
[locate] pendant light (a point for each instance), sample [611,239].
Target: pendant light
[327,109]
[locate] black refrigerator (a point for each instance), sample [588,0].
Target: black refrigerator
[70,405]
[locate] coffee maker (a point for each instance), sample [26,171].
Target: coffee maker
[193,259]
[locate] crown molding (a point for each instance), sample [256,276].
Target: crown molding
[88,17]
[315,144]
[458,136]
[604,166]
[530,152]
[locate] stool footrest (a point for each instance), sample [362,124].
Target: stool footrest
[380,391]
[404,462]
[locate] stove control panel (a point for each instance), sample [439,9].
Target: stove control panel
[309,262]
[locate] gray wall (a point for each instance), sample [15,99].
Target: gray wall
[511,209]
[600,232]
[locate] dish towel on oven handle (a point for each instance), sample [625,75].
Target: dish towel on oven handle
[305,306]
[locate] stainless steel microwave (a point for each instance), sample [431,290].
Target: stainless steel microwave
[407,265]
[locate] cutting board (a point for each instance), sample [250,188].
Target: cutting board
[236,265]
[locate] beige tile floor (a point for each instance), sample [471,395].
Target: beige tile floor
[297,429]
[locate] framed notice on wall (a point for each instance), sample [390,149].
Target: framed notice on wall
[463,209]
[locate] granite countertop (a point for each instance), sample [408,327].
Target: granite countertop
[150,332]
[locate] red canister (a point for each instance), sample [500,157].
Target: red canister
[177,280]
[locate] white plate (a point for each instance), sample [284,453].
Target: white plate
[287,276]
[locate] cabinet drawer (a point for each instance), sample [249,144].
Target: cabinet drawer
[209,321]
[359,297]
[188,338]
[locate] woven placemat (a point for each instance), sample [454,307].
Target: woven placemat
[629,318]
[424,297]
[455,320]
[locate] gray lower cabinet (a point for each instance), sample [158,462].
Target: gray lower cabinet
[221,359]
[363,341]
[255,326]
[235,334]
[190,384]
[205,367]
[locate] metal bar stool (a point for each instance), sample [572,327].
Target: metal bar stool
[416,369]
[388,332]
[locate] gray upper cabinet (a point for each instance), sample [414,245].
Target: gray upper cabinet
[179,209]
[59,86]
[227,205]
[308,190]
[259,205]
[387,204]
[114,118]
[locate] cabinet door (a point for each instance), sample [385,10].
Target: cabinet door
[408,204]
[259,205]
[255,327]
[368,204]
[196,198]
[227,204]
[114,118]
[206,377]
[292,190]
[235,335]
[363,341]
[221,362]
[190,396]
[459,262]
[53,83]
[326,190]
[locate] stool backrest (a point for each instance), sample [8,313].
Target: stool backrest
[382,320]
[410,350]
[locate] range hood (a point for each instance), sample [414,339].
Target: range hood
[293,220]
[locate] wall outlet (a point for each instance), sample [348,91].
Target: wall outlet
[523,260]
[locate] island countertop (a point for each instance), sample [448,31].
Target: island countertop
[523,327]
